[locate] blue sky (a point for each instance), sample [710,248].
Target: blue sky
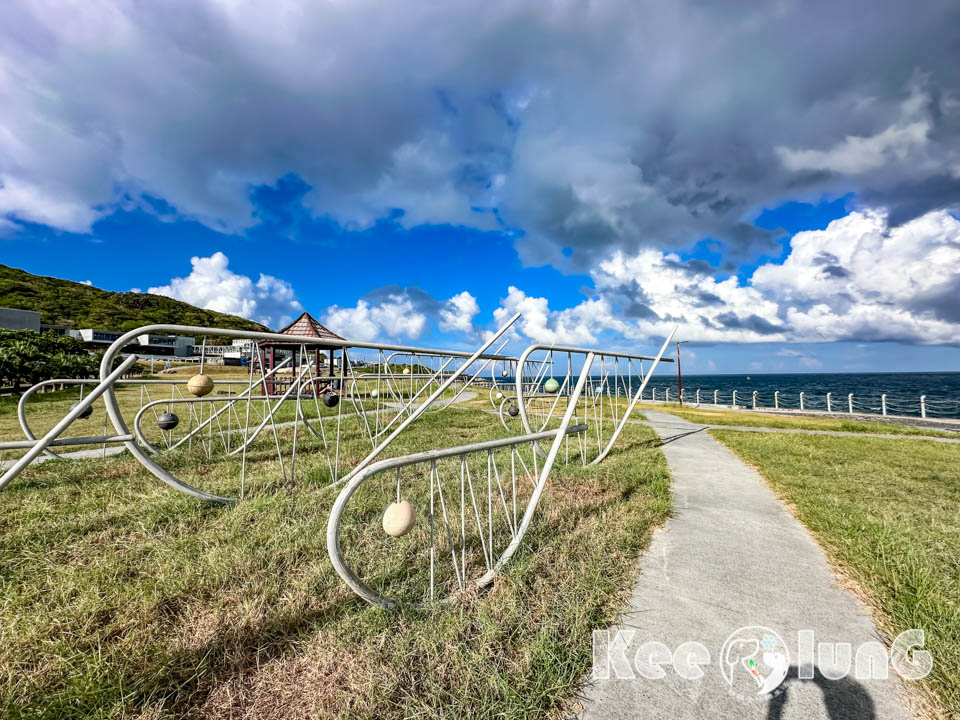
[607,170]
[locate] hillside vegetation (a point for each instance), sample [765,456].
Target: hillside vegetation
[63,302]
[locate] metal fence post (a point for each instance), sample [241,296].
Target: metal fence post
[754,399]
[850,402]
[883,403]
[654,394]
[776,399]
[801,401]
[828,401]
[923,406]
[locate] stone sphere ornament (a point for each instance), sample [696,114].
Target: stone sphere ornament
[330,399]
[513,410]
[86,413]
[200,385]
[167,421]
[499,396]
[406,371]
[374,392]
[503,373]
[551,386]
[399,518]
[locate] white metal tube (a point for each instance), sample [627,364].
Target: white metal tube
[429,401]
[636,398]
[65,422]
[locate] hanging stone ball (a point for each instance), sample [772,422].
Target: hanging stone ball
[86,413]
[551,386]
[200,385]
[399,518]
[167,421]
[406,371]
[499,396]
[513,410]
[330,399]
[503,373]
[374,392]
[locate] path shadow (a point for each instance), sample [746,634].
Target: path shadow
[678,436]
[844,699]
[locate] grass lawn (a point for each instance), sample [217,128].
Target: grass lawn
[751,419]
[886,511]
[120,598]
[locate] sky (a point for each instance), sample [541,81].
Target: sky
[781,179]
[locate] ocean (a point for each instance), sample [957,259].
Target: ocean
[903,390]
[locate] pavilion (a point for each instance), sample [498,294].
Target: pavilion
[305,326]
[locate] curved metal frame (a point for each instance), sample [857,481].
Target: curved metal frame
[523,359]
[113,408]
[336,513]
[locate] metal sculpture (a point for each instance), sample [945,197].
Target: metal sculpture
[455,537]
[557,403]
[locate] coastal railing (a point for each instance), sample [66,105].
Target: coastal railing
[883,404]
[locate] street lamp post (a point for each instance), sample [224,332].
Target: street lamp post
[679,374]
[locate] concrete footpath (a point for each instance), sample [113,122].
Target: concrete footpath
[732,570]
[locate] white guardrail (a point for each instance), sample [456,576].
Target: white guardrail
[851,404]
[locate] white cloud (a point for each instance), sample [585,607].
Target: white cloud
[860,279]
[659,290]
[213,286]
[857,280]
[48,206]
[858,154]
[578,325]
[394,316]
[86,282]
[458,313]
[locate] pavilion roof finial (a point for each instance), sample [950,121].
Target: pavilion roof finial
[307,326]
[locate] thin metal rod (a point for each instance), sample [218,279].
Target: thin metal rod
[65,422]
[426,403]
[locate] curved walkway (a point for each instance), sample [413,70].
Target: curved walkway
[797,431]
[731,556]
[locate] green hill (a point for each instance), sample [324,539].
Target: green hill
[63,302]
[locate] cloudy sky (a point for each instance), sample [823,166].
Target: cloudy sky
[781,178]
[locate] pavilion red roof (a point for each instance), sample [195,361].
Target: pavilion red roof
[307,326]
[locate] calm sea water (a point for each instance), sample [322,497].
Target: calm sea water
[903,390]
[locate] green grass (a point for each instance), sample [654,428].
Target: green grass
[122,598]
[751,419]
[886,511]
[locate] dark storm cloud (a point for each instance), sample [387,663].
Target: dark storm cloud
[754,323]
[707,298]
[421,300]
[589,126]
[835,271]
[908,200]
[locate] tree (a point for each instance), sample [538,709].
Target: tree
[27,356]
